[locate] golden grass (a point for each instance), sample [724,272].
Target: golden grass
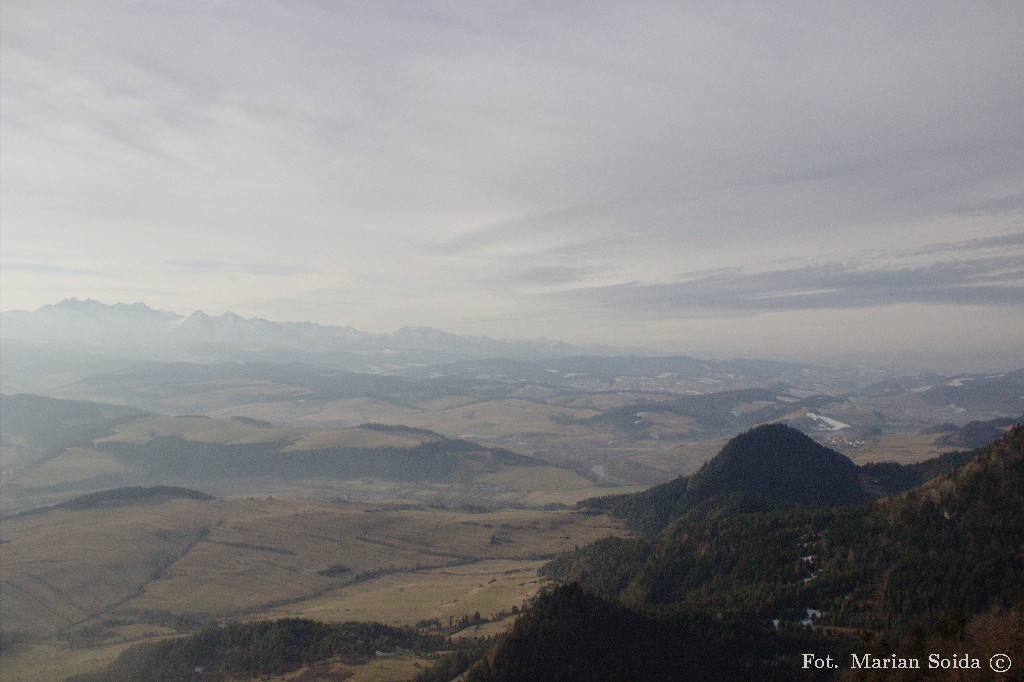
[540,498]
[506,417]
[56,660]
[536,486]
[229,557]
[60,567]
[453,416]
[384,668]
[485,587]
[75,464]
[351,438]
[222,431]
[113,569]
[447,402]
[346,412]
[683,459]
[537,478]
[489,629]
[261,557]
[901,448]
[201,398]
[600,402]
[389,668]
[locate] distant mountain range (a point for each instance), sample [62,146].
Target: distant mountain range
[164,362]
[86,336]
[145,333]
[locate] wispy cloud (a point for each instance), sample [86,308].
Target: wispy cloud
[994,280]
[264,269]
[43,268]
[540,276]
[454,165]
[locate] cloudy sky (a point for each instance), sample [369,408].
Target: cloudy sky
[734,178]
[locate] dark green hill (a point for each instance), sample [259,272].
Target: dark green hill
[248,650]
[937,568]
[780,464]
[886,478]
[768,466]
[176,459]
[949,546]
[34,427]
[569,634]
[241,454]
[37,417]
[134,494]
[972,435]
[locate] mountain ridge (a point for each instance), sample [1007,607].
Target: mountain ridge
[124,326]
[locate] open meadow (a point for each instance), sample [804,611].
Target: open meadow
[80,584]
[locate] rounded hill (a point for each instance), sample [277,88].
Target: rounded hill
[781,464]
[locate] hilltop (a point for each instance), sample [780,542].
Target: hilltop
[769,467]
[127,496]
[872,568]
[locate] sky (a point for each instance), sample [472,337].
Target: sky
[789,180]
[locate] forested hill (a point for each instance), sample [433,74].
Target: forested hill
[570,634]
[926,565]
[770,467]
[124,496]
[767,466]
[261,648]
[779,463]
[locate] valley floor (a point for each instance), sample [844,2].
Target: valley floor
[79,586]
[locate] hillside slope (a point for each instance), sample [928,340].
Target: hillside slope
[898,569]
[769,465]
[114,447]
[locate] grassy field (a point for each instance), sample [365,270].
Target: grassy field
[541,498]
[382,668]
[199,429]
[683,459]
[486,587]
[238,432]
[83,469]
[902,448]
[56,660]
[351,438]
[452,415]
[513,424]
[75,464]
[60,568]
[78,586]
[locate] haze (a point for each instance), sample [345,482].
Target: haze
[817,180]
